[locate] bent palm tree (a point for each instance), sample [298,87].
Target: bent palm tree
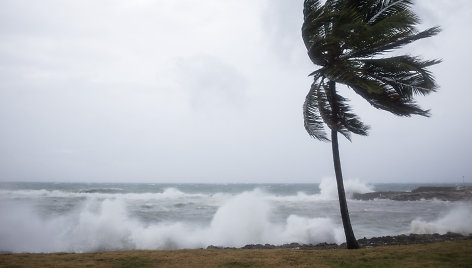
[348,38]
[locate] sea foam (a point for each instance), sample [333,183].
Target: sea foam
[168,193]
[458,220]
[329,188]
[52,220]
[106,224]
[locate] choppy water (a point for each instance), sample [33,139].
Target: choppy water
[51,217]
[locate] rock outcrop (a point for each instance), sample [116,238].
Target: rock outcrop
[426,193]
[403,239]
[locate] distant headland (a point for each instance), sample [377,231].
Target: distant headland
[460,193]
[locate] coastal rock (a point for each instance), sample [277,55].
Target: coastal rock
[426,193]
[365,242]
[410,239]
[259,246]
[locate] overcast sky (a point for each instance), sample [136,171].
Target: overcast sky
[207,91]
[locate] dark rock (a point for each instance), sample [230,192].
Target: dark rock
[213,247]
[259,246]
[364,242]
[410,239]
[427,193]
[434,189]
[291,245]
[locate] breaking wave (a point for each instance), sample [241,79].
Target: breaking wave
[458,220]
[106,224]
[327,191]
[169,193]
[329,188]
[101,218]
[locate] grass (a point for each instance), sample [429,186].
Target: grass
[445,254]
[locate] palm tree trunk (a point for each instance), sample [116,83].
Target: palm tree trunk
[350,238]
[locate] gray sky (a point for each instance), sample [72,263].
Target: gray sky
[180,91]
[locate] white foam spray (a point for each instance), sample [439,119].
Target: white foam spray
[105,224]
[167,194]
[329,189]
[458,220]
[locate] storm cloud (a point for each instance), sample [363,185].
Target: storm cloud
[180,91]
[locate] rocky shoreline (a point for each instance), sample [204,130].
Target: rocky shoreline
[463,193]
[366,242]
[421,193]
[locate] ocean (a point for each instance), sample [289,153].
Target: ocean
[90,217]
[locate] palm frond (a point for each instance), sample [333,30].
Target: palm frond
[309,6]
[314,124]
[391,101]
[395,42]
[388,7]
[336,113]
[347,39]
[405,74]
[377,92]
[315,33]
[348,121]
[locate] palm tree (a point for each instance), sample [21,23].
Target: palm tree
[352,42]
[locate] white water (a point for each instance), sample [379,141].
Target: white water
[106,225]
[51,221]
[458,220]
[329,188]
[169,193]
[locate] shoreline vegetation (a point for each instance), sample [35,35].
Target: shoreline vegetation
[449,250]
